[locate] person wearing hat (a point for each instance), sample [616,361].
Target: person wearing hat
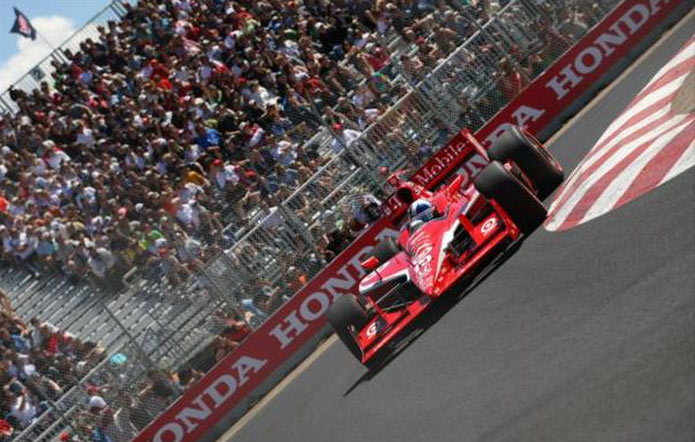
[95,403]
[343,137]
[221,174]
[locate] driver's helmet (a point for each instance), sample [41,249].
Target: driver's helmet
[421,209]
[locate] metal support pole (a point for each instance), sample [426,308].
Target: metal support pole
[221,296]
[129,335]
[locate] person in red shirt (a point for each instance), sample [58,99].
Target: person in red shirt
[163,82]
[511,82]
[378,58]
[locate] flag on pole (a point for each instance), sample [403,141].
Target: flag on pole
[22,26]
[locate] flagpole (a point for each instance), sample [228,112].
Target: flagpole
[45,40]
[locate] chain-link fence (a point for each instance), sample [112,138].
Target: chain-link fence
[218,233]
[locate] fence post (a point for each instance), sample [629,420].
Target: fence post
[129,335]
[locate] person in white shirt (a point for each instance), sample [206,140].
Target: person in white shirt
[23,409]
[57,157]
[222,174]
[188,214]
[343,137]
[85,135]
[189,191]
[100,261]
[284,152]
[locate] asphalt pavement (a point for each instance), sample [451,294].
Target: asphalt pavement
[584,335]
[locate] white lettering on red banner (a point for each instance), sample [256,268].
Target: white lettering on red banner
[213,397]
[592,56]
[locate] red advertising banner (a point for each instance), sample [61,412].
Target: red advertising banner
[269,346]
[300,319]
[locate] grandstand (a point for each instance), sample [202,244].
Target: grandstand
[182,165]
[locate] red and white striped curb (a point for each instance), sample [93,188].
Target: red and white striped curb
[651,142]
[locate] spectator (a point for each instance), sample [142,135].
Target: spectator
[100,261]
[511,81]
[571,24]
[343,137]
[23,409]
[366,209]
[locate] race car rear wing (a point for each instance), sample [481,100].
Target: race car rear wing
[463,154]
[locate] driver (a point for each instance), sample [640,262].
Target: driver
[419,212]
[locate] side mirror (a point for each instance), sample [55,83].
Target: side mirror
[370,263]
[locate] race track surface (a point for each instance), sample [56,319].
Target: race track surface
[583,335]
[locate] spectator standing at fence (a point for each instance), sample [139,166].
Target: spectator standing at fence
[114,424]
[343,137]
[23,408]
[366,209]
[571,24]
[511,81]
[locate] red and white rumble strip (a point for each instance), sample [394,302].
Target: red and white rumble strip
[651,142]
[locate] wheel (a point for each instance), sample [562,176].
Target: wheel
[346,312]
[532,158]
[386,250]
[525,209]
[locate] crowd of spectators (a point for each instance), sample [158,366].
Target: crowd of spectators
[187,115]
[38,363]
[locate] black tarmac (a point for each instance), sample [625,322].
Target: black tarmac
[585,335]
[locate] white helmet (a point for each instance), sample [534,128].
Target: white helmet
[421,208]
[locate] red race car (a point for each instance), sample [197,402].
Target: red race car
[446,236]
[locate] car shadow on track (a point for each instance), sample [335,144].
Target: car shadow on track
[429,318]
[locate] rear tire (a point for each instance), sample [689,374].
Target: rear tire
[533,159]
[386,250]
[346,312]
[525,209]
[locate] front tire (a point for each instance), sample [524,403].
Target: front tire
[525,209]
[533,159]
[345,313]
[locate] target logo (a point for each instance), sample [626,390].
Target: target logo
[489,226]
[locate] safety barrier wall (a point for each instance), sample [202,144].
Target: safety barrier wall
[290,333]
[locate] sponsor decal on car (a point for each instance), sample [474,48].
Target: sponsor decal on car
[488,226]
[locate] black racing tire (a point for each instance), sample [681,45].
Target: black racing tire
[533,159]
[525,209]
[344,313]
[386,250]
